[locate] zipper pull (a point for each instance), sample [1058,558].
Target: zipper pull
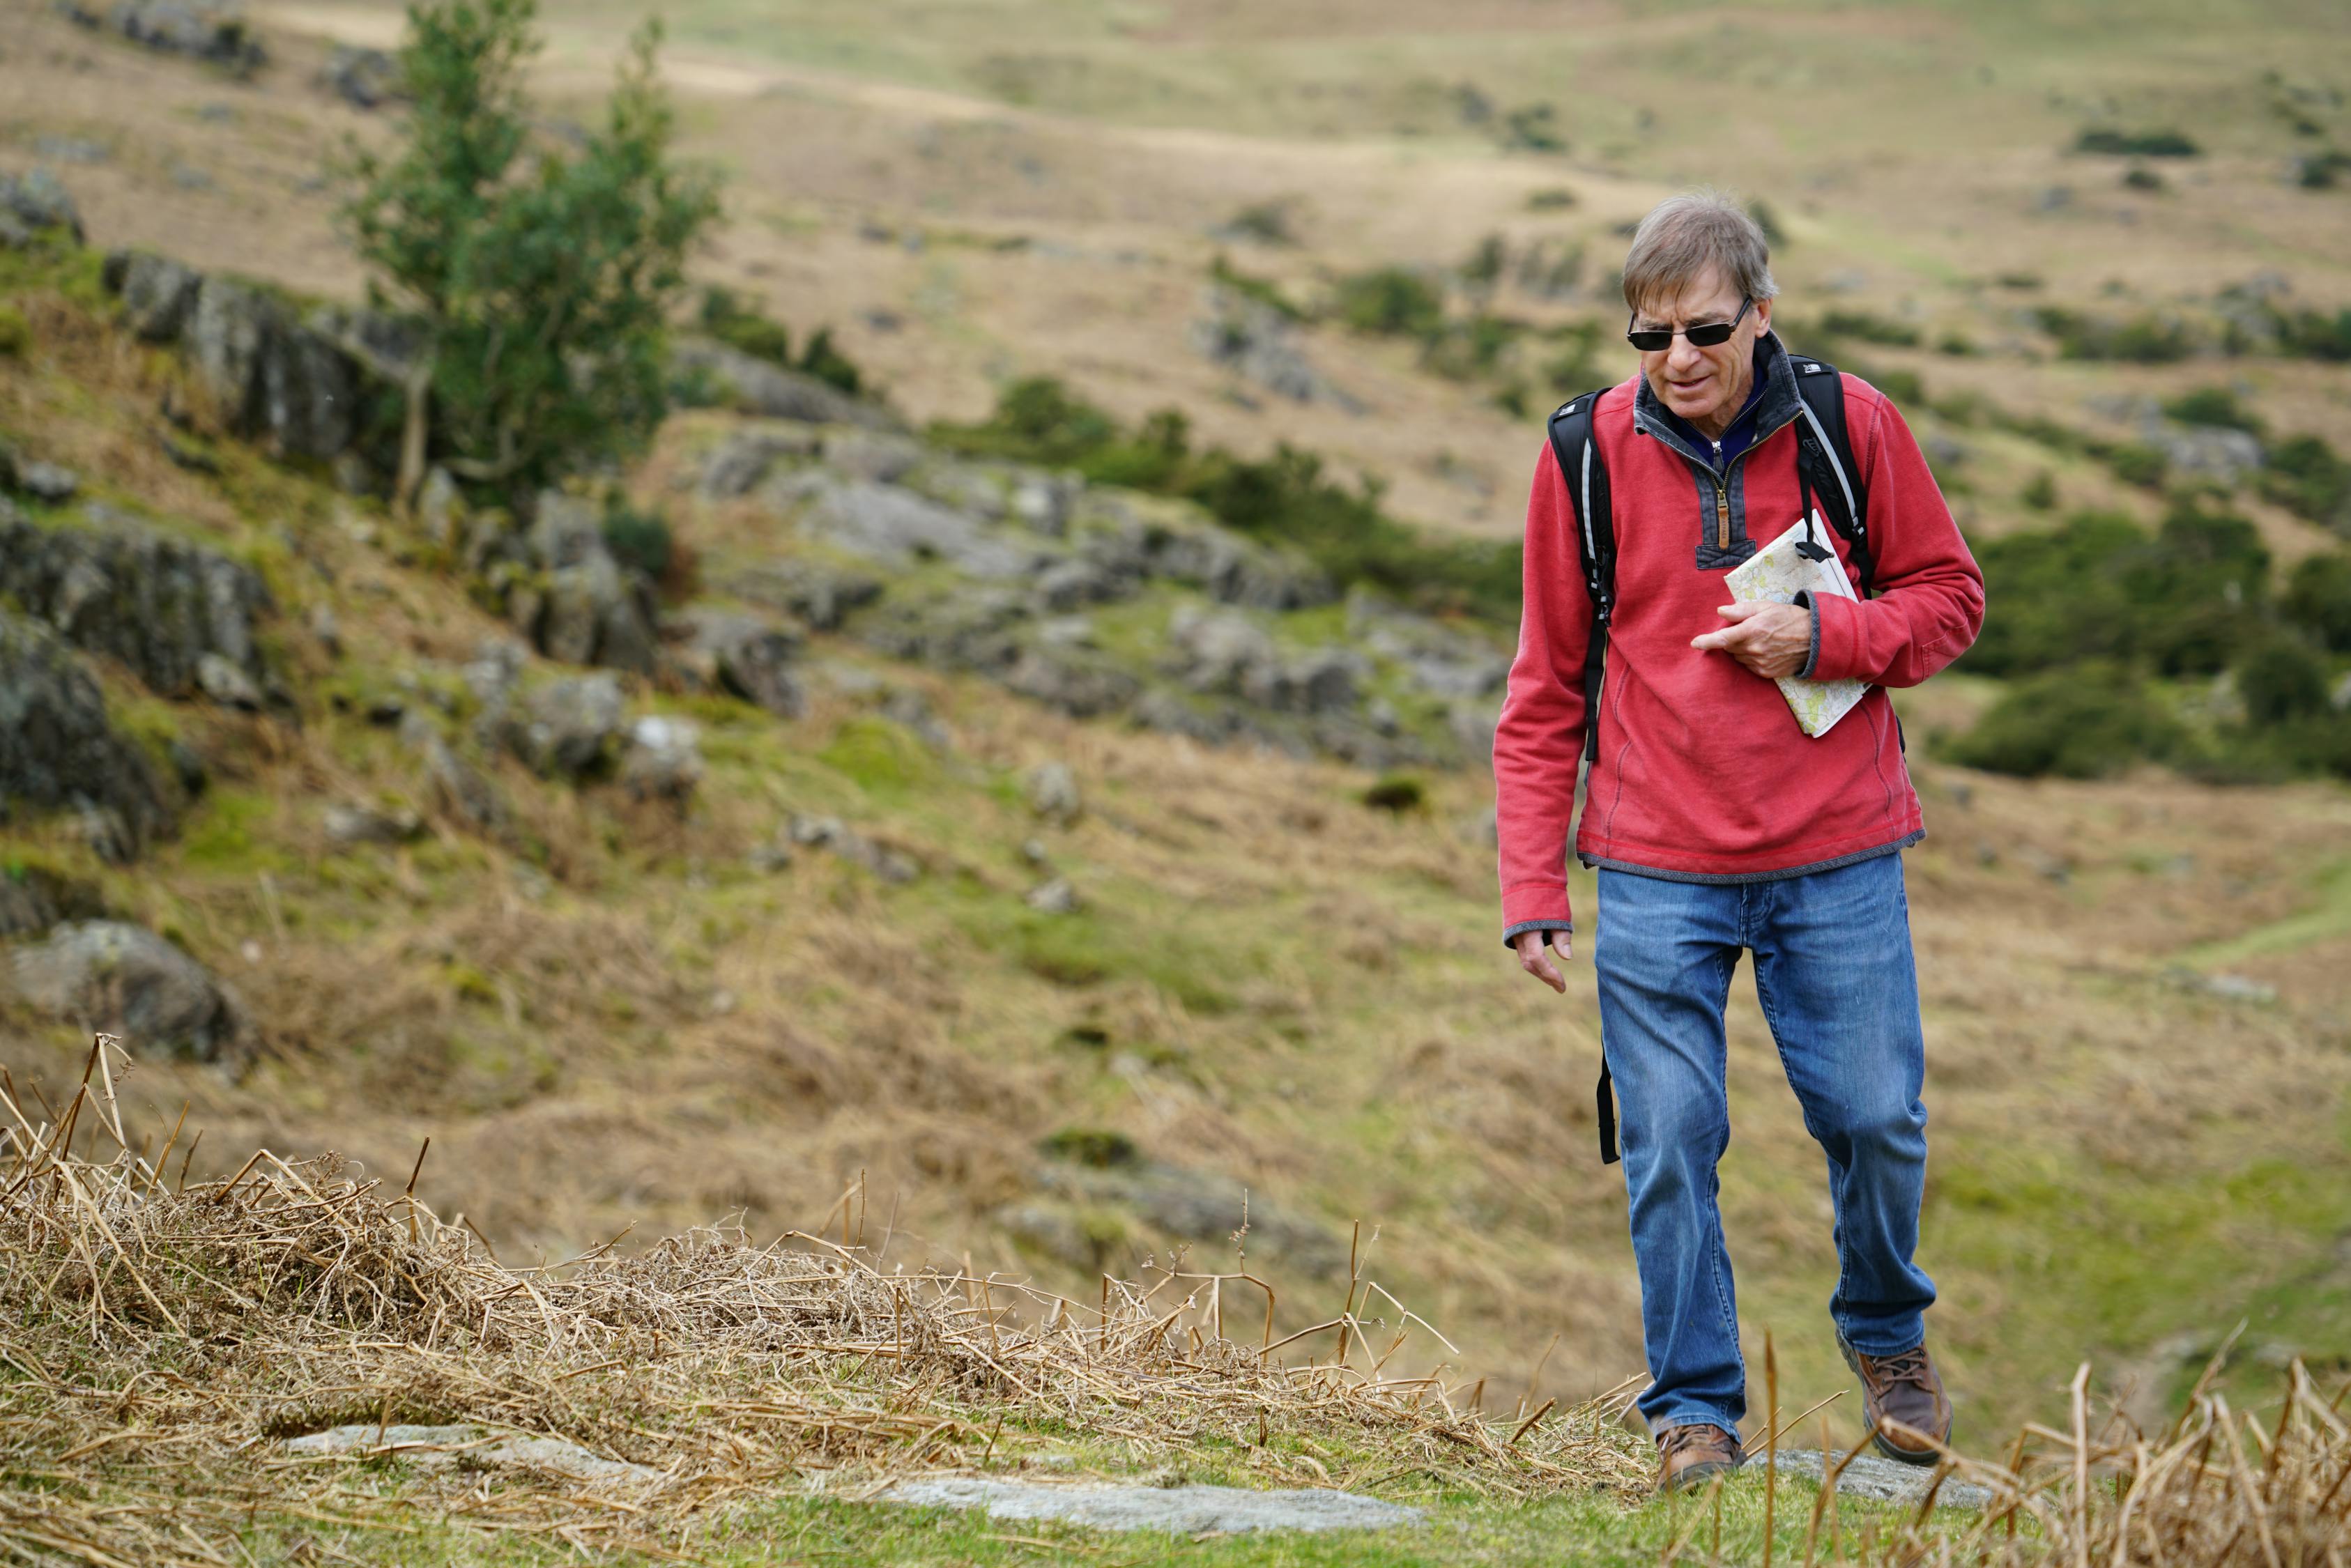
[1722,520]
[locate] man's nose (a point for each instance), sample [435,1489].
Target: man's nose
[1684,356]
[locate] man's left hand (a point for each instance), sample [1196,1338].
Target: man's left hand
[1772,640]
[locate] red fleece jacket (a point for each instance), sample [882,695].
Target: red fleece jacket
[1702,773]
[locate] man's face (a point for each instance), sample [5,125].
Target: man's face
[1704,386]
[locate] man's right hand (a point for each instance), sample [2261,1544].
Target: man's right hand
[1536,961]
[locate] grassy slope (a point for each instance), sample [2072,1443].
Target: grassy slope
[612,1018]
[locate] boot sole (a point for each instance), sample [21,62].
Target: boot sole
[1878,1439]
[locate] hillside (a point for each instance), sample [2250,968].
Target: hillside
[950,841]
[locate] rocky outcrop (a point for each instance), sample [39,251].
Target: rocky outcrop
[163,607]
[123,979]
[361,77]
[1257,343]
[33,898]
[1226,652]
[595,612]
[746,657]
[574,727]
[663,759]
[214,32]
[58,750]
[299,382]
[34,203]
[713,373]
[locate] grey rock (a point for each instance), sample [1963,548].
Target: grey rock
[737,466]
[366,825]
[881,456]
[594,612]
[2227,988]
[663,759]
[267,376]
[1231,569]
[137,595]
[1053,897]
[108,975]
[59,749]
[326,630]
[1070,680]
[37,201]
[227,685]
[361,77]
[214,32]
[1225,651]
[71,149]
[492,674]
[2204,451]
[1051,792]
[574,727]
[1256,342]
[752,385]
[832,834]
[750,658]
[439,509]
[456,786]
[819,593]
[1067,584]
[897,528]
[1188,1509]
[1195,1205]
[1043,501]
[473,1446]
[33,899]
[1871,1476]
[49,482]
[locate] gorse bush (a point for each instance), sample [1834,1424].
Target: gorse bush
[2309,478]
[1389,302]
[743,326]
[2318,599]
[1287,498]
[2137,143]
[2215,406]
[2145,338]
[542,277]
[2086,722]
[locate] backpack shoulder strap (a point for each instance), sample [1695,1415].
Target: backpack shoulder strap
[1586,473]
[1825,448]
[1581,465]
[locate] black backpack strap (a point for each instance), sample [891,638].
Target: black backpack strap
[1825,461]
[1580,464]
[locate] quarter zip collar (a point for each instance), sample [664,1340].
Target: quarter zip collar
[1776,407]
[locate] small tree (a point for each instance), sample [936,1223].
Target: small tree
[543,279]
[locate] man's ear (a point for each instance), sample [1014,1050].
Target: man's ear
[1762,314]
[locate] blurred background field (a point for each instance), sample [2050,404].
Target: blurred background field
[1240,935]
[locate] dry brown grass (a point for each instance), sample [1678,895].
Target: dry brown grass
[166,1334]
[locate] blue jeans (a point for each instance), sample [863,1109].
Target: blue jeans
[1834,974]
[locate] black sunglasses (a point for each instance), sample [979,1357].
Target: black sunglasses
[1705,335]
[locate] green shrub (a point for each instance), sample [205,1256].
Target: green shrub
[744,325]
[1868,328]
[1397,792]
[2145,338]
[2309,478]
[2137,143]
[2282,682]
[1258,289]
[543,277]
[2321,171]
[2137,464]
[1533,128]
[829,365]
[1465,350]
[2318,599]
[2040,492]
[2087,722]
[1095,1146]
[2216,406]
[2144,178]
[16,333]
[641,539]
[1390,301]
[2313,334]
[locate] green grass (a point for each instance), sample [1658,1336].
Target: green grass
[1602,1531]
[2328,918]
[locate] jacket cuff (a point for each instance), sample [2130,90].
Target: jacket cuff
[1510,933]
[1812,658]
[1836,639]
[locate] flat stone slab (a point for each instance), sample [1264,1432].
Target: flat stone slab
[1189,1510]
[471,1445]
[1883,1479]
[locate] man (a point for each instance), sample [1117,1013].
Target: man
[1718,825]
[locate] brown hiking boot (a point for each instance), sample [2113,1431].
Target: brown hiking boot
[1691,1455]
[1904,1388]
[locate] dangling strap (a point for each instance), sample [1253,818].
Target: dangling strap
[1607,1095]
[1812,549]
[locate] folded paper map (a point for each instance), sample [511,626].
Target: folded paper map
[1777,573]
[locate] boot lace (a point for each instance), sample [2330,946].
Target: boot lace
[1911,1366]
[1677,1438]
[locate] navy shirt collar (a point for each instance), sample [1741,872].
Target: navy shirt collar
[1741,432]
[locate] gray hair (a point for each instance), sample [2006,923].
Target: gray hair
[1683,236]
